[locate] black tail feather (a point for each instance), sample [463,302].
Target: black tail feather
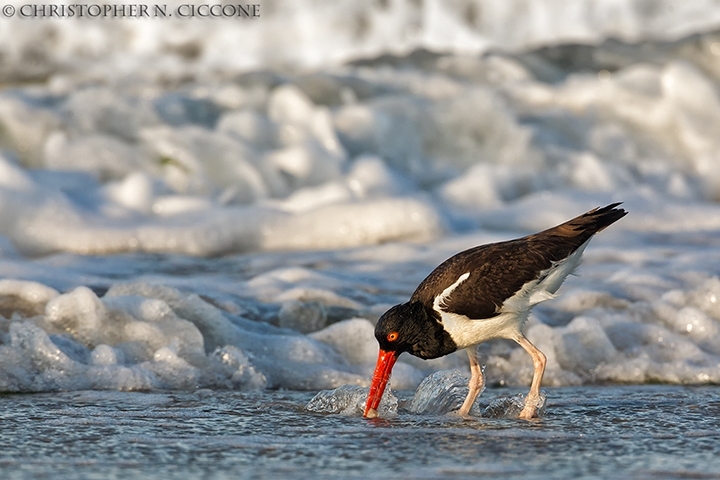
[599,219]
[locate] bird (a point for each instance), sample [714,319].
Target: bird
[481,294]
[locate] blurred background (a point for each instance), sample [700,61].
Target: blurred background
[418,117]
[310,165]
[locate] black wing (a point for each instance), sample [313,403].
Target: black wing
[499,270]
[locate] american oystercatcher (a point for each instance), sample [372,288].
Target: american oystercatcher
[484,293]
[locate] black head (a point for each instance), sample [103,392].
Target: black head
[410,327]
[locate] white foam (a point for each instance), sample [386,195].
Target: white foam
[134,192]
[583,345]
[105,355]
[304,317]
[353,339]
[348,31]
[32,292]
[345,186]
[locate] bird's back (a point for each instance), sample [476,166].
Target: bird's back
[499,270]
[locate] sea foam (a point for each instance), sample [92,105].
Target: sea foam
[174,215]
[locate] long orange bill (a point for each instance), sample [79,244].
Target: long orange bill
[383,370]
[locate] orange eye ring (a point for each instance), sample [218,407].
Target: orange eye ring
[392,336]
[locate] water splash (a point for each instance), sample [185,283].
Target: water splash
[442,392]
[350,400]
[445,391]
[510,407]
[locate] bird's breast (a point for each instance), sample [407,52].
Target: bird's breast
[466,332]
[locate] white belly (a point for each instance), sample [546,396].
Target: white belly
[466,332]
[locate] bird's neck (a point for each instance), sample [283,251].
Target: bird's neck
[433,340]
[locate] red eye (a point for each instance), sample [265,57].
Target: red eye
[392,336]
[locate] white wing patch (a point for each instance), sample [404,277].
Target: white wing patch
[545,286]
[439,302]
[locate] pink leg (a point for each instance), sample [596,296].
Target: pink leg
[539,361]
[476,383]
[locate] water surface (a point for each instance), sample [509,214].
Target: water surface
[587,432]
